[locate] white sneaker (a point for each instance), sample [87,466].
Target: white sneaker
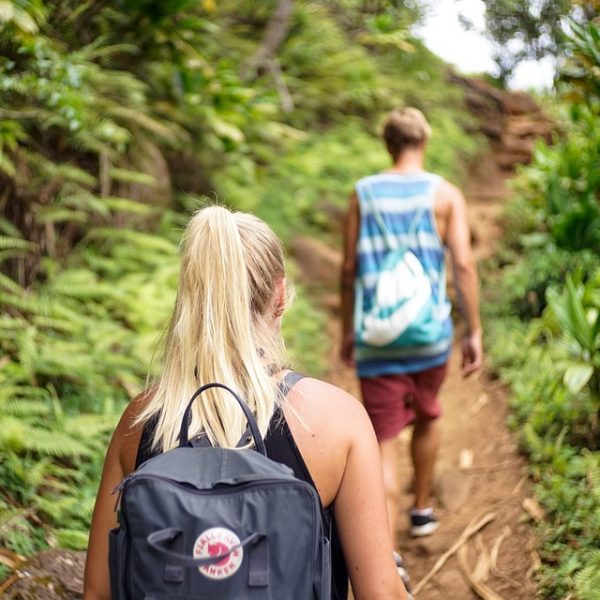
[422,525]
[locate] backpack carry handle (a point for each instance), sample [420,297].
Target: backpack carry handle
[258,557]
[187,415]
[158,539]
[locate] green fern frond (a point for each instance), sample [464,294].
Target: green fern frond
[58,486]
[67,172]
[16,243]
[71,539]
[28,392]
[12,372]
[120,88]
[169,132]
[86,201]
[60,214]
[11,254]
[8,228]
[59,307]
[89,427]
[129,176]
[82,285]
[593,475]
[10,285]
[587,581]
[16,435]
[55,443]
[124,205]
[28,349]
[8,391]
[61,474]
[89,53]
[25,408]
[11,323]
[28,304]
[57,508]
[7,166]
[78,11]
[9,515]
[139,241]
[60,357]
[61,325]
[89,140]
[105,265]
[13,434]
[35,475]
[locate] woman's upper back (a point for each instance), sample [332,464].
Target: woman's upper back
[338,446]
[319,418]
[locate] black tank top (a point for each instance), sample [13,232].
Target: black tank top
[281,448]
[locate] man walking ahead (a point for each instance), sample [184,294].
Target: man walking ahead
[401,347]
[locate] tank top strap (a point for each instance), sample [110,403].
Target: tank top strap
[289,381]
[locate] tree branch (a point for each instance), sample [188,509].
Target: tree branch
[275,33]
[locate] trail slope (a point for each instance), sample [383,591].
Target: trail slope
[479,470]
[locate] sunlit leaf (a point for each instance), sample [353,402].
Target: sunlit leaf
[577,376]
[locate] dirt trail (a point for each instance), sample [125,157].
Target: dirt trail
[473,424]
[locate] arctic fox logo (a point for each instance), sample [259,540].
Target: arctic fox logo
[214,542]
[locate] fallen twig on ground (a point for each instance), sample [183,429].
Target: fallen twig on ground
[506,531]
[533,508]
[4,586]
[475,408]
[480,588]
[471,529]
[519,485]
[481,572]
[536,564]
[10,559]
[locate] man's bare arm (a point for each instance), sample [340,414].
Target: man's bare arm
[348,275]
[467,283]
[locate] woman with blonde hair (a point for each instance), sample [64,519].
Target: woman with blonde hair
[226,328]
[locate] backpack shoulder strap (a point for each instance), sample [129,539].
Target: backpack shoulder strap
[365,192]
[284,386]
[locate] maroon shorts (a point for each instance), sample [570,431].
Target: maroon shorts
[394,401]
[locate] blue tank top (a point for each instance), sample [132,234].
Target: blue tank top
[405,202]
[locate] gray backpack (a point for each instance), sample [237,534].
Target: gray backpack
[204,523]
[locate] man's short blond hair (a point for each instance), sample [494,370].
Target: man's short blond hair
[405,128]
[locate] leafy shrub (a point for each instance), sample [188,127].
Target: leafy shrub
[545,327]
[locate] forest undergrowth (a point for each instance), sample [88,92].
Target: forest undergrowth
[543,325]
[116,121]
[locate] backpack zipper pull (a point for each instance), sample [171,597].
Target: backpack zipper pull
[119,491]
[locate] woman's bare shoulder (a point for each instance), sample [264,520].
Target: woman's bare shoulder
[324,404]
[127,435]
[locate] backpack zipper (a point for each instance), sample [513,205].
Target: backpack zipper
[132,479]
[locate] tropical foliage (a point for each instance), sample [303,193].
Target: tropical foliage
[544,318]
[116,120]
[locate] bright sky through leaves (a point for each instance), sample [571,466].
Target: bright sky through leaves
[469,50]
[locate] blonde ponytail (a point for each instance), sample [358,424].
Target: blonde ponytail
[224,329]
